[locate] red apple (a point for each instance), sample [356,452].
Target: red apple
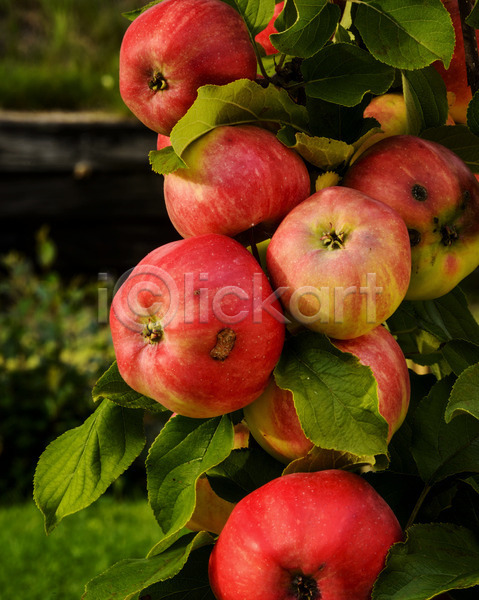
[304,536]
[162,141]
[211,512]
[238,176]
[455,77]
[437,196]
[390,111]
[175,47]
[197,327]
[263,36]
[341,262]
[272,418]
[274,424]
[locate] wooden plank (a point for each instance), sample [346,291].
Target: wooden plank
[59,142]
[87,176]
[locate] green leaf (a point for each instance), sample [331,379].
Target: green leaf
[460,355]
[442,449]
[243,471]
[473,114]
[343,74]
[128,577]
[406,34]
[132,14]
[239,102]
[338,122]
[434,558]
[473,482]
[111,386]
[447,318]
[402,460]
[460,140]
[183,451]
[319,459]
[165,161]
[315,23]
[77,468]
[256,13]
[321,152]
[465,395]
[191,583]
[473,18]
[335,396]
[426,99]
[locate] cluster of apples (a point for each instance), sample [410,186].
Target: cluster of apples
[200,323]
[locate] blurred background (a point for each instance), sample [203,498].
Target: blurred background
[79,206]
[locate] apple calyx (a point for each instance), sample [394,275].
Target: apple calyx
[152,332]
[225,341]
[449,235]
[305,587]
[333,240]
[157,83]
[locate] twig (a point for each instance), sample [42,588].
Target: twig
[417,506]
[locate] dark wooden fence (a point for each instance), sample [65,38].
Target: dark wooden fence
[88,178]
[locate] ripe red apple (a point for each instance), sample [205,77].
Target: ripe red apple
[455,77]
[437,196]
[341,262]
[263,36]
[304,536]
[238,176]
[274,424]
[390,111]
[175,47]
[197,327]
[272,418]
[162,141]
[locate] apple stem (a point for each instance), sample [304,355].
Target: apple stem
[225,341]
[417,506]
[471,52]
[260,62]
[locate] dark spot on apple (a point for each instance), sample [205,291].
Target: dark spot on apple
[414,237]
[436,220]
[152,332]
[225,341]
[419,192]
[466,198]
[449,235]
[157,83]
[305,587]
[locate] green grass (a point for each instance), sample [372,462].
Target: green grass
[82,546]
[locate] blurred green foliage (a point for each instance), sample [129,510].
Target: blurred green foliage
[53,349]
[57,567]
[61,54]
